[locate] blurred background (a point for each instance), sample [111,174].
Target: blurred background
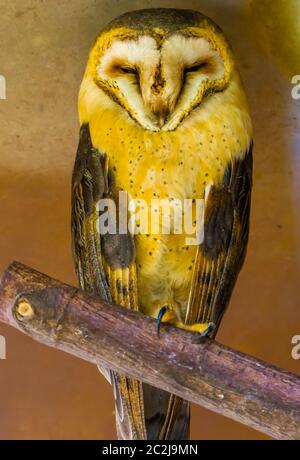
[44,393]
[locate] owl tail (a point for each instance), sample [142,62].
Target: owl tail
[165,416]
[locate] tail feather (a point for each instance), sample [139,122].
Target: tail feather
[145,412]
[167,416]
[130,420]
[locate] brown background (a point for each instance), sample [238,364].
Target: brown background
[43,50]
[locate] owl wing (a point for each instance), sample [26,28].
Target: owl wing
[89,184]
[105,266]
[222,252]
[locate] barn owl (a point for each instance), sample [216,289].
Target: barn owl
[163,115]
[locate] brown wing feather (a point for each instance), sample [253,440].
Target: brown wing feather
[221,255]
[88,185]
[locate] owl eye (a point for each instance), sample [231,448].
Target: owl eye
[130,70]
[196,67]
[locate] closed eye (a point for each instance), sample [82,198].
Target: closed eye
[196,67]
[130,70]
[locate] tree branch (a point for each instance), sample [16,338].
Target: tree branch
[209,374]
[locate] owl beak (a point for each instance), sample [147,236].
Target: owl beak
[161,115]
[162,120]
[158,108]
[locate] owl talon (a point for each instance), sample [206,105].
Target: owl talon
[210,328]
[160,316]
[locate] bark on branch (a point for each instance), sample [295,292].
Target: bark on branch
[208,373]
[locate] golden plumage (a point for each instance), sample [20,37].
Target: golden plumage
[162,105]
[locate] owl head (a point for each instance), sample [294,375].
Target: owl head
[160,64]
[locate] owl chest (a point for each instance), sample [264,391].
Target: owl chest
[167,167]
[153,177]
[163,177]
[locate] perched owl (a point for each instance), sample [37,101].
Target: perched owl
[163,114]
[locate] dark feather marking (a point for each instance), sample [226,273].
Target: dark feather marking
[225,241]
[89,170]
[218,222]
[118,250]
[240,187]
[207,278]
[87,183]
[231,197]
[168,19]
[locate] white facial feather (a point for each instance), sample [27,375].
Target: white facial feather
[132,52]
[188,50]
[142,54]
[180,53]
[179,91]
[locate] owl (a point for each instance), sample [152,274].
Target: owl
[163,115]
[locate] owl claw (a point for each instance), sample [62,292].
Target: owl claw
[210,328]
[160,316]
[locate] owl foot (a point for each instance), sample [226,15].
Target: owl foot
[167,315]
[210,327]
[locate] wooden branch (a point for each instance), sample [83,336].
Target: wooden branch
[209,374]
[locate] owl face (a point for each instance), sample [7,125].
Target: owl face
[160,76]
